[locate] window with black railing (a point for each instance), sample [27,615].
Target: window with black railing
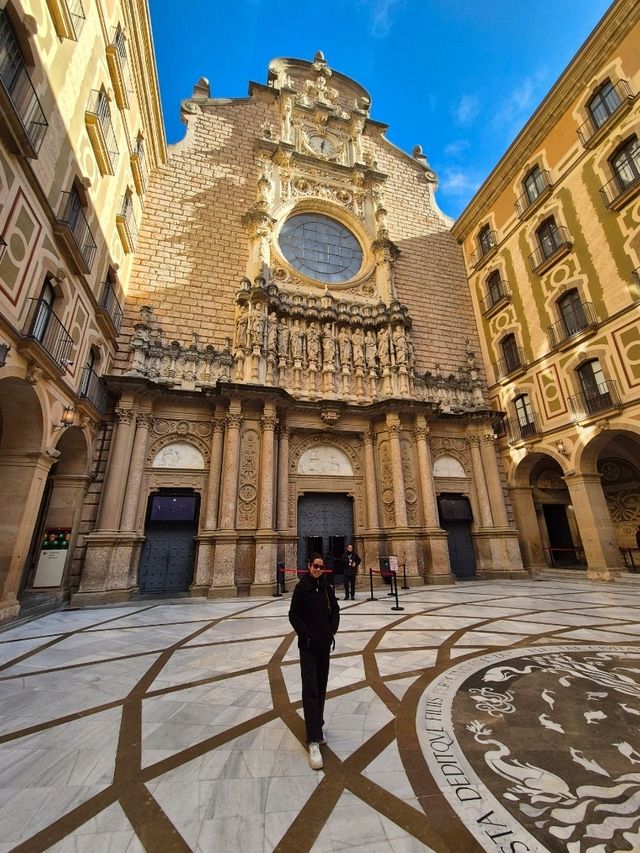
[92,387]
[486,240]
[126,222]
[625,165]
[98,106]
[139,165]
[72,215]
[597,393]
[575,315]
[535,184]
[525,423]
[604,104]
[551,239]
[497,291]
[44,326]
[19,88]
[110,304]
[118,62]
[512,357]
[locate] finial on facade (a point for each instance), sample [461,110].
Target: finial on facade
[202,89]
[419,155]
[319,56]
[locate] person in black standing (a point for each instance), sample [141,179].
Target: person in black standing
[315,616]
[350,563]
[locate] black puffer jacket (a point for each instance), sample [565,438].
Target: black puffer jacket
[314,613]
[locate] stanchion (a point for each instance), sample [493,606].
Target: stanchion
[394,586]
[372,596]
[280,587]
[405,585]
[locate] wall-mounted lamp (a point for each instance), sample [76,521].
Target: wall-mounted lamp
[68,414]
[4,352]
[562,450]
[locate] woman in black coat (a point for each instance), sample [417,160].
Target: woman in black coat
[315,616]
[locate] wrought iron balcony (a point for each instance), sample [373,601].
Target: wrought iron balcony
[119,67]
[45,328]
[126,224]
[525,201]
[605,396]
[511,363]
[18,99]
[100,129]
[110,306]
[558,244]
[72,217]
[485,248]
[94,389]
[583,316]
[517,431]
[588,130]
[139,167]
[617,191]
[68,17]
[497,294]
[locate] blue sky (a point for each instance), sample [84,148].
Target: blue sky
[458,77]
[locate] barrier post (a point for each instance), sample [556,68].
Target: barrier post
[279,580]
[394,586]
[405,585]
[371,597]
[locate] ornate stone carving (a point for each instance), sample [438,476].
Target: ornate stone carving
[248,480]
[268,422]
[410,487]
[299,446]
[386,484]
[180,444]
[124,416]
[234,421]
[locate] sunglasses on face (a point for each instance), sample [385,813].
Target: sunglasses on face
[317,566]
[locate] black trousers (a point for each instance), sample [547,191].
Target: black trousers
[350,584]
[314,668]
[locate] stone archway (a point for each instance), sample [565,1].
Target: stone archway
[24,468]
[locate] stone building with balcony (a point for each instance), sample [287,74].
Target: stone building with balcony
[552,246]
[296,368]
[80,130]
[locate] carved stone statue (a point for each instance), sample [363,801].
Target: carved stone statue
[257,326]
[370,349]
[358,348]
[313,343]
[328,350]
[400,345]
[272,333]
[283,339]
[383,347]
[241,326]
[297,338]
[344,344]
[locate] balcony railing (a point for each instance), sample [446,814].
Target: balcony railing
[512,362]
[126,224]
[590,127]
[139,167]
[119,67]
[101,133]
[44,326]
[72,215]
[542,184]
[484,249]
[517,431]
[613,191]
[18,90]
[94,389]
[68,17]
[498,292]
[605,396]
[581,317]
[559,239]
[110,305]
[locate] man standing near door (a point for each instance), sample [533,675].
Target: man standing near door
[315,616]
[350,563]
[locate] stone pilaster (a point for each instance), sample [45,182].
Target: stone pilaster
[266,538]
[400,504]
[206,540]
[282,521]
[593,519]
[438,569]
[373,520]
[120,456]
[227,538]
[486,518]
[144,421]
[494,482]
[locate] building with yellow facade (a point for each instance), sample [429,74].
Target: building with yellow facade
[80,130]
[552,247]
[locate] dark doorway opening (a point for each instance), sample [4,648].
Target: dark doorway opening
[456,518]
[325,526]
[167,559]
[562,549]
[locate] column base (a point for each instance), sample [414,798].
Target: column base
[98,599]
[499,554]
[221,592]
[438,568]
[265,565]
[224,562]
[603,575]
[9,609]
[111,562]
[203,574]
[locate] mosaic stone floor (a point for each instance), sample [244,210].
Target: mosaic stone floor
[483,716]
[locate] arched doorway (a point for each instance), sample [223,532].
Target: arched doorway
[325,526]
[168,555]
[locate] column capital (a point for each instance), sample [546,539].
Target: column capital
[420,433]
[217,424]
[368,438]
[268,422]
[394,428]
[145,419]
[474,440]
[284,431]
[233,420]
[123,416]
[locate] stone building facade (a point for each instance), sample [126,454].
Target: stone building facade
[552,247]
[80,130]
[297,366]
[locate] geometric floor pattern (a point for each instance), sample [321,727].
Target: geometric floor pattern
[500,716]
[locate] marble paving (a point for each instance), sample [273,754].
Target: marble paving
[483,716]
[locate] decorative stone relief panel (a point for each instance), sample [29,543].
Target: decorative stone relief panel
[448,466]
[455,448]
[409,467]
[336,446]
[325,459]
[248,481]
[199,448]
[386,484]
[179,454]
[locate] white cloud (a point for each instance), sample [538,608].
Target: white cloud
[456,182]
[466,109]
[382,15]
[518,106]
[455,149]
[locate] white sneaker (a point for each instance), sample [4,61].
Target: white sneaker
[315,757]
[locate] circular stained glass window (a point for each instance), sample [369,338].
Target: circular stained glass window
[320,247]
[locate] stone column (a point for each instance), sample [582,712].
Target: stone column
[144,421]
[531,545]
[370,481]
[206,540]
[393,428]
[598,536]
[282,522]
[227,537]
[266,537]
[114,485]
[486,518]
[494,481]
[438,568]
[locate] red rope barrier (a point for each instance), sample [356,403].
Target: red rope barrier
[304,571]
[382,574]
